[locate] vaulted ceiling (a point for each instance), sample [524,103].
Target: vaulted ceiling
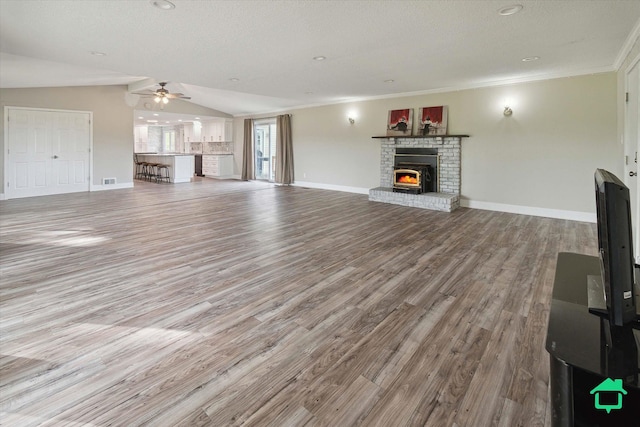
[252,56]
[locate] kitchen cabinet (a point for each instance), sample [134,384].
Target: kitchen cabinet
[192,132]
[217,131]
[187,130]
[217,166]
[208,130]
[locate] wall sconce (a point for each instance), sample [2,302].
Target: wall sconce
[352,120]
[507,111]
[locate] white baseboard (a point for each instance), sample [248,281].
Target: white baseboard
[100,187]
[320,186]
[489,206]
[528,210]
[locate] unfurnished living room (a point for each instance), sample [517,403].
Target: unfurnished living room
[319,213]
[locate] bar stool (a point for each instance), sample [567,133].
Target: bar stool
[141,168]
[162,173]
[152,171]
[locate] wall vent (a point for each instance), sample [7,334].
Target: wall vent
[108,181]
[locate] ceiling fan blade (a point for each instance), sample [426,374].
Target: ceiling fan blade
[144,93]
[175,95]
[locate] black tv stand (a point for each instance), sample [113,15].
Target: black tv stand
[585,350]
[596,300]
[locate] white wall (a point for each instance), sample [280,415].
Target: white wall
[112,108]
[542,157]
[112,123]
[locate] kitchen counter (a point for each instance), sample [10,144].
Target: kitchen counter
[181,165]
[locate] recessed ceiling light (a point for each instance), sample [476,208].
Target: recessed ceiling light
[96,53]
[234,79]
[197,118]
[389,81]
[156,114]
[510,10]
[167,121]
[152,121]
[179,120]
[140,118]
[319,58]
[530,58]
[163,4]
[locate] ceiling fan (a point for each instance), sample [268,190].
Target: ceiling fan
[162,95]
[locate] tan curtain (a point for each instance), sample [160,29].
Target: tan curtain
[284,150]
[248,171]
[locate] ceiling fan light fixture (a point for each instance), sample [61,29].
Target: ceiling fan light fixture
[157,99]
[165,100]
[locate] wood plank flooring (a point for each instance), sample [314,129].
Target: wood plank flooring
[222,303]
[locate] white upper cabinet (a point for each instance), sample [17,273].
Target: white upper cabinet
[208,130]
[217,131]
[192,132]
[187,134]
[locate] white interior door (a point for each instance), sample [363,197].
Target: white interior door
[48,152]
[632,148]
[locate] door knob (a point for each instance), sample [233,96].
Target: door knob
[55,157]
[632,173]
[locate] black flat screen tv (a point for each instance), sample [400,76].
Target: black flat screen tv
[615,245]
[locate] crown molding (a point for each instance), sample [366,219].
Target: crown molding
[634,37]
[479,85]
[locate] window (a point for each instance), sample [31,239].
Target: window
[169,140]
[265,149]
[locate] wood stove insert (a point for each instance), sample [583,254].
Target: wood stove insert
[415,170]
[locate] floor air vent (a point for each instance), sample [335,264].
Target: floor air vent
[108,181]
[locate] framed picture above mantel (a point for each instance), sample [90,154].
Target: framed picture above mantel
[400,122]
[432,120]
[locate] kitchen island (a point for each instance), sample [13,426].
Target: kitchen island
[181,166]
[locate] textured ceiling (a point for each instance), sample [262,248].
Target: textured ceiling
[269,46]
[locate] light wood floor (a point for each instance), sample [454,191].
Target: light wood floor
[225,303]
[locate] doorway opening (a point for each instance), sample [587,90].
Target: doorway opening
[265,149]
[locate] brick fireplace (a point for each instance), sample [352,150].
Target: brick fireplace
[446,197]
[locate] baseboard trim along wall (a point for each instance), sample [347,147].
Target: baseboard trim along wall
[529,210]
[100,187]
[488,206]
[333,187]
